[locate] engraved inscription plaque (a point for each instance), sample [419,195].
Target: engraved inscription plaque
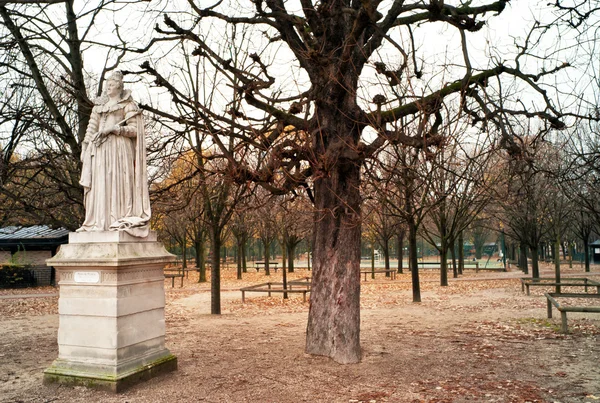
[86,277]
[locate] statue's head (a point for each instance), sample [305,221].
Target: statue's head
[117,78]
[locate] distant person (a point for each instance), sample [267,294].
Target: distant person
[114,175]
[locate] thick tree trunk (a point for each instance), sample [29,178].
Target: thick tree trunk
[334,317]
[586,253]
[571,250]
[557,262]
[308,254]
[414,264]
[373,261]
[291,254]
[215,274]
[284,273]
[400,251]
[386,256]
[543,251]
[523,258]
[535,267]
[244,248]
[267,248]
[453,255]
[200,259]
[283,257]
[184,252]
[202,267]
[443,263]
[239,253]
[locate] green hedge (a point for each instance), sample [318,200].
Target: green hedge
[15,276]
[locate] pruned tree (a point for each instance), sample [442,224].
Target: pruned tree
[295,224]
[480,233]
[407,177]
[265,217]
[314,138]
[525,201]
[458,192]
[242,229]
[380,220]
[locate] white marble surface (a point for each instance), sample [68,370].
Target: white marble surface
[114,326]
[108,236]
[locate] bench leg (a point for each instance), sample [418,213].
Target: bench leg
[563,323]
[243,297]
[527,286]
[181,286]
[549,309]
[304,296]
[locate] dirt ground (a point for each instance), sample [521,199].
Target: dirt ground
[478,340]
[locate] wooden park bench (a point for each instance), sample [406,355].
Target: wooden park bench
[466,265]
[551,282]
[304,288]
[551,300]
[474,265]
[272,265]
[173,274]
[391,271]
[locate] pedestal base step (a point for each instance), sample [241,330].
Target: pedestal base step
[61,374]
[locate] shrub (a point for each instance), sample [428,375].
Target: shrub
[15,276]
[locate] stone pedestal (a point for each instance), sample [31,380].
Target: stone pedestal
[111,330]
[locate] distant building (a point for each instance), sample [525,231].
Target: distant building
[595,251]
[31,246]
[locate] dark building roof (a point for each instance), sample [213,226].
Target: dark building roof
[32,237]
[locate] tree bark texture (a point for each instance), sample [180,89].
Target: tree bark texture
[283,257]
[373,261]
[267,244]
[202,263]
[523,258]
[239,255]
[291,254]
[535,267]
[215,274]
[414,264]
[400,251]
[586,253]
[334,318]
[453,254]
[386,255]
[557,262]
[244,255]
[184,252]
[444,264]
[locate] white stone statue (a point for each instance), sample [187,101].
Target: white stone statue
[114,173]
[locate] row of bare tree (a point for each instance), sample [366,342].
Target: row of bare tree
[310,98]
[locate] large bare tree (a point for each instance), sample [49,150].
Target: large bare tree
[318,77]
